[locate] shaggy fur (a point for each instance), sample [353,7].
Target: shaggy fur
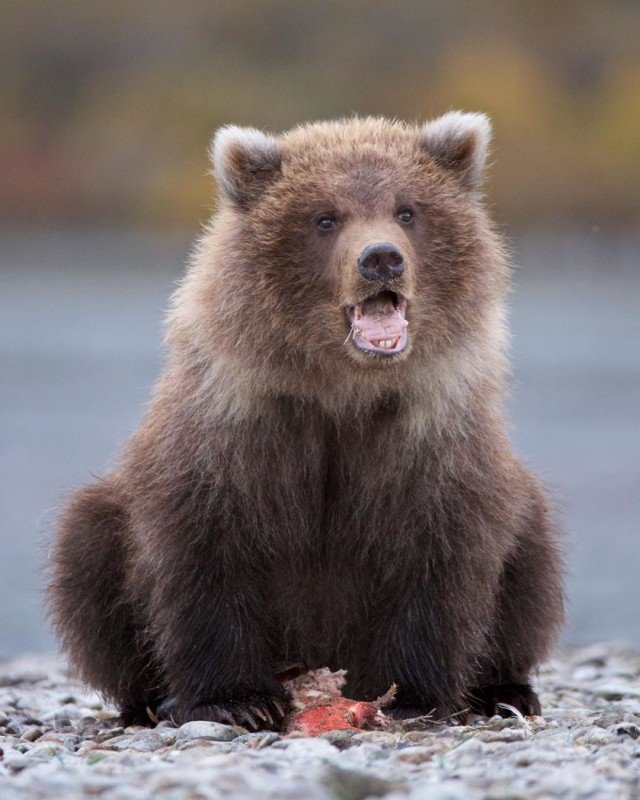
[290,498]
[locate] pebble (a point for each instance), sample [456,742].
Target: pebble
[67,740]
[190,744]
[593,736]
[146,741]
[58,740]
[117,742]
[257,740]
[504,735]
[168,735]
[340,738]
[626,729]
[209,731]
[415,755]
[31,734]
[44,752]
[378,738]
[109,733]
[417,737]
[16,725]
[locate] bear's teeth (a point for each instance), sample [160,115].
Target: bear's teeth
[387,344]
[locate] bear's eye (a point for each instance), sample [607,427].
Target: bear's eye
[405,216]
[325,222]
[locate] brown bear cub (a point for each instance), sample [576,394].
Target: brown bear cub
[323,476]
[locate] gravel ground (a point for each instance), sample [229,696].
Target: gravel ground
[58,740]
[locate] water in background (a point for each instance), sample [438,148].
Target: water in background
[80,333]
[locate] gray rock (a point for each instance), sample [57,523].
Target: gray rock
[211,744]
[414,755]
[211,731]
[380,738]
[31,734]
[67,740]
[88,727]
[132,729]
[597,736]
[62,712]
[168,735]
[340,739]
[16,725]
[256,741]
[504,735]
[630,729]
[108,733]
[15,762]
[45,751]
[417,737]
[358,785]
[117,742]
[146,741]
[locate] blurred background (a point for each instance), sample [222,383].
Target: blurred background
[108,109]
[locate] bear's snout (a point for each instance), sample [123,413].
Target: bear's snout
[381,262]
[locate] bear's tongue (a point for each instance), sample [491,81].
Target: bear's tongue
[379,322]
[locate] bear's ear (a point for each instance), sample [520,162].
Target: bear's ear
[244,161]
[459,142]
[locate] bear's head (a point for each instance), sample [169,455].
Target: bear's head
[349,247]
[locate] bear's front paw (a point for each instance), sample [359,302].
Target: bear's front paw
[490,700]
[254,712]
[137,714]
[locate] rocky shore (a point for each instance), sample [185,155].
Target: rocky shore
[59,740]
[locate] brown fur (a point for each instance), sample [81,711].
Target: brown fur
[290,498]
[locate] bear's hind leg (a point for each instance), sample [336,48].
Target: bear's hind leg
[86,595]
[530,612]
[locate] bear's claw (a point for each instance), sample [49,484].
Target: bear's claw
[490,700]
[255,712]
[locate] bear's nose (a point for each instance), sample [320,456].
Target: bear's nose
[381,262]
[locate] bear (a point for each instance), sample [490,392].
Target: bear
[323,476]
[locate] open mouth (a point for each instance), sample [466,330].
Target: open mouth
[379,324]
